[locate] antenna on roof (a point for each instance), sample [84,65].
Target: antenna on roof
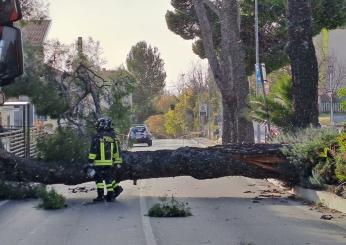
[80,46]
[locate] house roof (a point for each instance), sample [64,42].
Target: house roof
[36,31]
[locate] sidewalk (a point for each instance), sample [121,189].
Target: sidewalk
[204,142]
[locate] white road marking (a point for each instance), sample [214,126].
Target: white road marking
[148,231]
[3,202]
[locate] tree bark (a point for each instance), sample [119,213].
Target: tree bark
[231,31]
[301,51]
[253,161]
[228,67]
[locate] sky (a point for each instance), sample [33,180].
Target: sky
[120,24]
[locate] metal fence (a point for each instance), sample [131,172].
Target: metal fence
[21,142]
[325,107]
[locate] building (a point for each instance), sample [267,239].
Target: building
[35,32]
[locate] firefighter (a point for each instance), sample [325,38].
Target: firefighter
[104,153]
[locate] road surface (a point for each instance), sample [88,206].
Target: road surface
[225,212]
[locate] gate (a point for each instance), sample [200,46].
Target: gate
[21,140]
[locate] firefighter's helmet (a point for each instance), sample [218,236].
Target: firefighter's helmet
[104,124]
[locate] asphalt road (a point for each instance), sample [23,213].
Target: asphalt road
[225,212]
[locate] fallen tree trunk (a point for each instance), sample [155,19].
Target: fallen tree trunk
[253,161]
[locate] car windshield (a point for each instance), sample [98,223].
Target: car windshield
[138,130]
[141,129]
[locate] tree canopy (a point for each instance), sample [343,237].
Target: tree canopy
[146,65]
[34,9]
[273,27]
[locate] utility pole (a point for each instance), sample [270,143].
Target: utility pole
[184,99]
[258,66]
[331,96]
[329,71]
[209,110]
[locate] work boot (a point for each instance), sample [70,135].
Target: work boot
[117,191]
[99,197]
[110,196]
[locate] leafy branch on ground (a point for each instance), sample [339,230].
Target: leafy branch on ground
[318,155]
[66,144]
[170,207]
[16,191]
[50,199]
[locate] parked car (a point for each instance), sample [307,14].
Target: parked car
[140,134]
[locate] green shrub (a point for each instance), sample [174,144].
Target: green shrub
[276,106]
[305,153]
[340,158]
[169,208]
[15,191]
[341,171]
[67,144]
[51,199]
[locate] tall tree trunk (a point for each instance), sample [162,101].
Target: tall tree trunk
[229,123]
[97,103]
[301,52]
[228,66]
[231,19]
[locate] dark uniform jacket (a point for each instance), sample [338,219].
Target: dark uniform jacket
[105,149]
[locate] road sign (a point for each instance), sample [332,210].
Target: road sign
[260,76]
[203,109]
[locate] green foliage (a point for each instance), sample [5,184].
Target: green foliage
[156,124]
[122,85]
[169,208]
[38,83]
[199,89]
[305,154]
[174,124]
[324,173]
[328,14]
[15,191]
[276,107]
[51,199]
[164,101]
[340,158]
[318,154]
[66,144]
[146,65]
[273,22]
[341,94]
[340,170]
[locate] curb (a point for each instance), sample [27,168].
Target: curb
[326,198]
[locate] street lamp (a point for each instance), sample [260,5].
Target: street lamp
[330,94]
[257,37]
[258,67]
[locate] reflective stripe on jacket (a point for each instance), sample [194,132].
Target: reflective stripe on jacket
[105,149]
